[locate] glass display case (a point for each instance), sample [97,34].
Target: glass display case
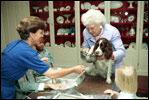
[84,7]
[124,17]
[41,9]
[64,23]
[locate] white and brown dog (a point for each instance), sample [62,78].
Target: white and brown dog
[101,67]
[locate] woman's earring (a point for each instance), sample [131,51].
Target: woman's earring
[100,27]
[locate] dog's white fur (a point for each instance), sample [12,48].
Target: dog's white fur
[100,67]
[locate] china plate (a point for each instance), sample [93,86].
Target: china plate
[46,8]
[132,45]
[48,20]
[145,46]
[67,8]
[115,19]
[60,19]
[67,44]
[114,5]
[87,5]
[82,6]
[60,31]
[131,18]
[73,20]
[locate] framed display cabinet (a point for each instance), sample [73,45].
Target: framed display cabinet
[64,29]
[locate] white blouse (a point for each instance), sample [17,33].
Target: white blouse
[126,95]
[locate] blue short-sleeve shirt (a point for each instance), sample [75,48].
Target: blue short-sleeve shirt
[16,59]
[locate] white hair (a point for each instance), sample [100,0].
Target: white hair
[93,16]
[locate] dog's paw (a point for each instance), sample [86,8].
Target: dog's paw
[108,81]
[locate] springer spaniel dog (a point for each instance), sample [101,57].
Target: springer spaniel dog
[101,67]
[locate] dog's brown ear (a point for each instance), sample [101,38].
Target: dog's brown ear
[108,50]
[96,45]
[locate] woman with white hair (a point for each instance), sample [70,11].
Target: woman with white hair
[126,80]
[96,27]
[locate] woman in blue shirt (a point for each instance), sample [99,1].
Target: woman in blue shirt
[19,56]
[96,27]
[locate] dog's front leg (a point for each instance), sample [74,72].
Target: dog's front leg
[90,51]
[109,72]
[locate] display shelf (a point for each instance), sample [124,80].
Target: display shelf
[69,24]
[42,13]
[63,12]
[123,23]
[71,36]
[39,13]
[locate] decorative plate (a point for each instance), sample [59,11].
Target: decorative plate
[114,5]
[146,16]
[87,5]
[115,19]
[82,6]
[48,20]
[132,45]
[67,8]
[131,18]
[60,31]
[145,46]
[62,9]
[67,44]
[46,8]
[73,20]
[60,19]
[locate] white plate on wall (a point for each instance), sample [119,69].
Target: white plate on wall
[60,19]
[131,18]
[46,8]
[67,44]
[132,46]
[145,46]
[87,5]
[82,6]
[60,31]
[114,5]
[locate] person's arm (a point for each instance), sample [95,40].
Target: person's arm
[117,43]
[62,72]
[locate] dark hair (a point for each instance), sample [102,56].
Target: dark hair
[29,24]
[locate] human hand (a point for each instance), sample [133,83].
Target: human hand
[108,91]
[56,86]
[79,69]
[45,59]
[86,50]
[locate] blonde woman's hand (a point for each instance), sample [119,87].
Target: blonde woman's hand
[79,69]
[108,91]
[113,94]
[45,59]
